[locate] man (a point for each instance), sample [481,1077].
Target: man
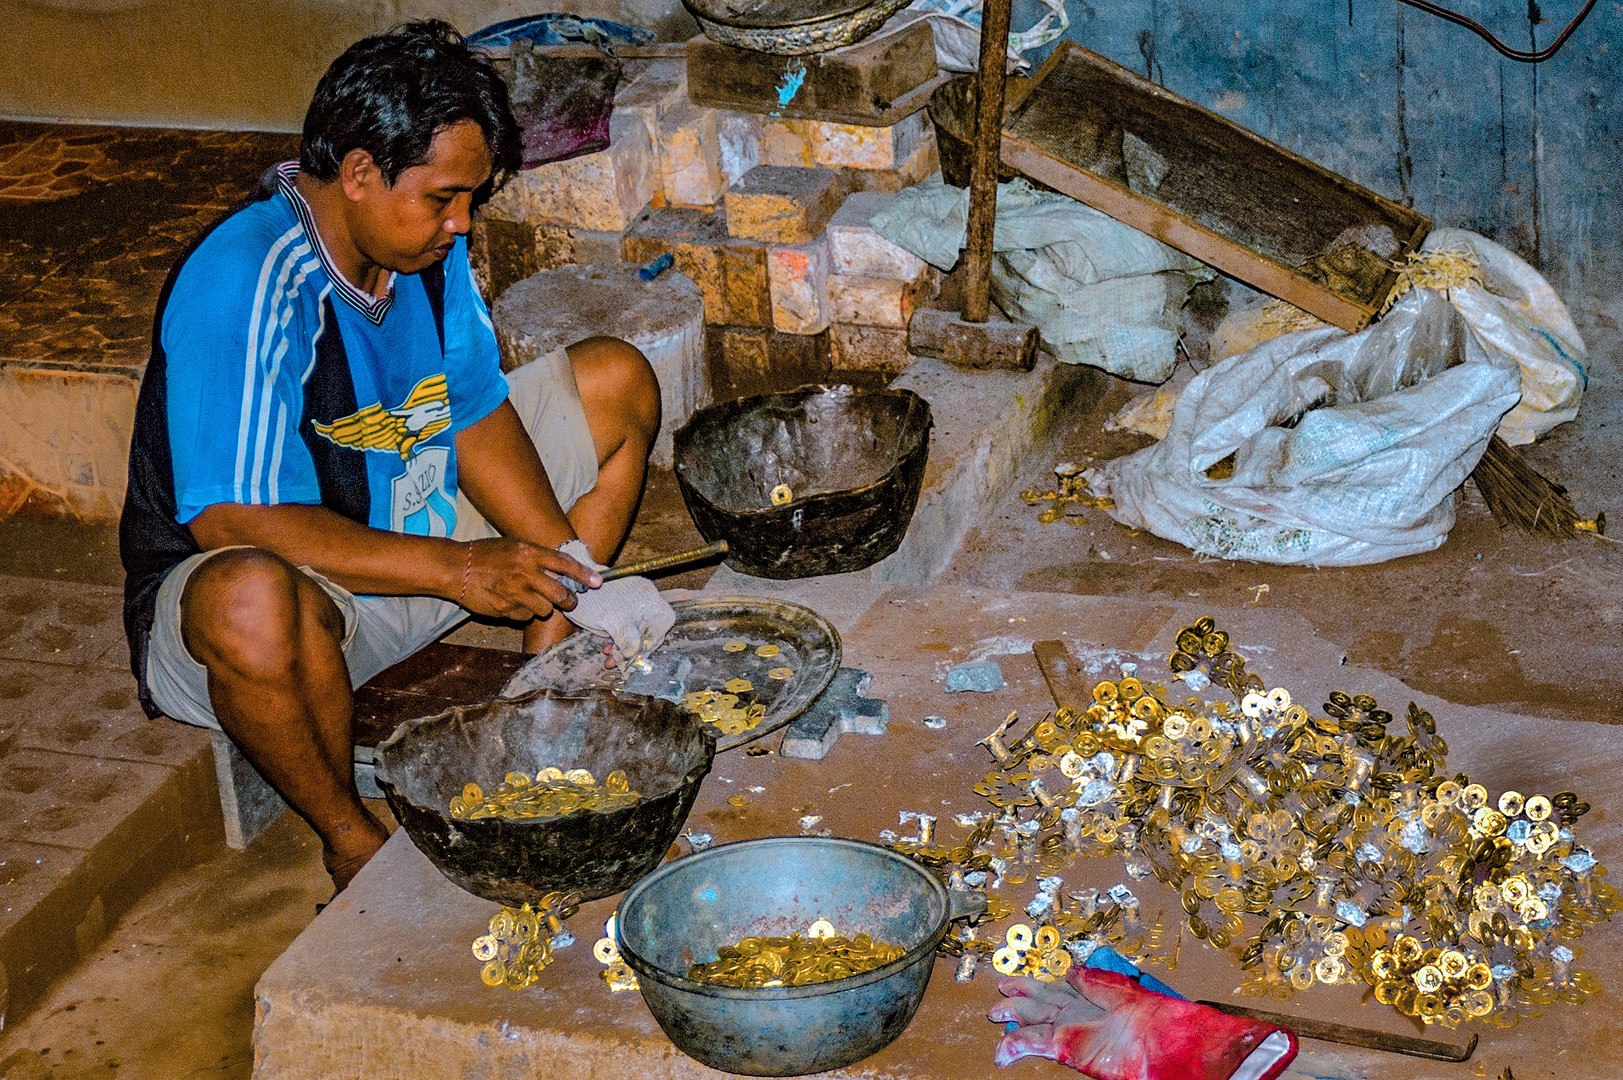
[325,449]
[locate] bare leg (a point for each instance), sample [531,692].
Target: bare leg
[271,640]
[621,396]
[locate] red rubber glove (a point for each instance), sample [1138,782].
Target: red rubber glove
[1106,1026]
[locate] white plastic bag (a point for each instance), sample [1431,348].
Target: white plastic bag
[1388,423]
[1518,315]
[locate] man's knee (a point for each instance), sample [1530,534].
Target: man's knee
[247,612]
[617,384]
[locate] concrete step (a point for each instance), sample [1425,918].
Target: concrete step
[96,801]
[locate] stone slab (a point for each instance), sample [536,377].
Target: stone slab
[85,839]
[855,246]
[868,348]
[382,985]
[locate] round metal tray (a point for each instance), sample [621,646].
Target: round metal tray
[808,645]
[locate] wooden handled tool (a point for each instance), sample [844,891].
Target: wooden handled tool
[975,340]
[1325,1031]
[665,562]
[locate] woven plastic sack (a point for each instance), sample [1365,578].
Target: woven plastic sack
[1100,292]
[1518,315]
[1346,449]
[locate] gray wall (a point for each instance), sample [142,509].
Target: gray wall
[1416,108]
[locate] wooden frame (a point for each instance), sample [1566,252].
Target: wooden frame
[1223,196]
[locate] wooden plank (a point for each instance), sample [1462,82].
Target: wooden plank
[1069,687]
[871,83]
[1224,194]
[1170,227]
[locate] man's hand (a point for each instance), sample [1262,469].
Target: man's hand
[518,580]
[628,611]
[1107,1026]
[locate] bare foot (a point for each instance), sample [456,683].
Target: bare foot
[349,851]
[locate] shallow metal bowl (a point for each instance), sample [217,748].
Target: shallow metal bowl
[680,914]
[852,459]
[664,751]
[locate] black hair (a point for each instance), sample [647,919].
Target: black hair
[390,94]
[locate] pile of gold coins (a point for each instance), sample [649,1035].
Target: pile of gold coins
[1067,498]
[726,709]
[821,955]
[519,945]
[1039,953]
[722,709]
[553,793]
[617,974]
[1314,844]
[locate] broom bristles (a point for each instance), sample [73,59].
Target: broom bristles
[1518,495]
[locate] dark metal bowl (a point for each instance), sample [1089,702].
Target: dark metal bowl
[682,912]
[664,751]
[853,459]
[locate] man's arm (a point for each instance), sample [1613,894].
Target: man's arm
[503,577]
[501,473]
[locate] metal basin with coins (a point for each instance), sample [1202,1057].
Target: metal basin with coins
[664,752]
[684,911]
[820,480]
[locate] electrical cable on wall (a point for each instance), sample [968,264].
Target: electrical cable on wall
[1483,32]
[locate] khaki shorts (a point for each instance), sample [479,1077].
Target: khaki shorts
[380,631]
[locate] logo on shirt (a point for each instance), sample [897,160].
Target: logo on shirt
[421,502]
[424,414]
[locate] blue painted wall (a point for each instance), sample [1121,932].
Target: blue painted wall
[1416,108]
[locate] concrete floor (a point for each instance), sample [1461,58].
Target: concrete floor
[1492,618]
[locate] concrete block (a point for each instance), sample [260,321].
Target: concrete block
[661,86]
[690,156]
[746,286]
[787,142]
[874,301]
[986,423]
[62,624]
[747,360]
[855,247]
[739,137]
[602,191]
[784,205]
[693,237]
[798,277]
[664,318]
[851,146]
[919,166]
[868,348]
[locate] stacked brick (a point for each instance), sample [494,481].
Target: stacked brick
[768,216]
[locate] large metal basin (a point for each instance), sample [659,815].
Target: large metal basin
[680,914]
[664,751]
[852,459]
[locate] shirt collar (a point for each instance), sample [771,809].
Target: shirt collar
[373,307]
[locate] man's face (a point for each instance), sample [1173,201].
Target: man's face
[411,225]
